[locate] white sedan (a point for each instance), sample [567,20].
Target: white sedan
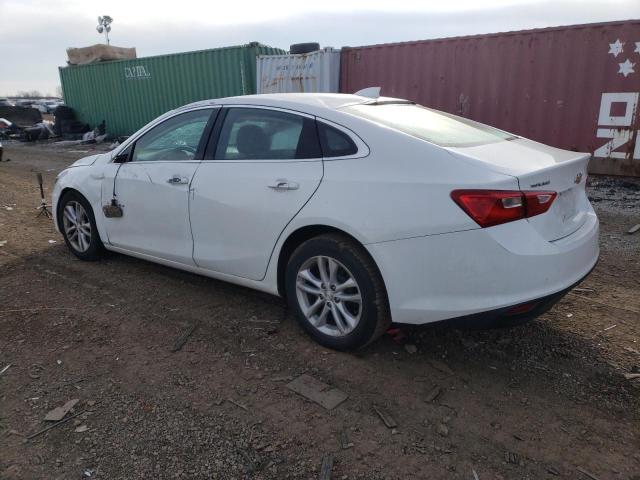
[359,211]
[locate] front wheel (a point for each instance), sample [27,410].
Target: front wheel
[78,226]
[337,293]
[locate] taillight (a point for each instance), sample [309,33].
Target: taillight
[493,207]
[538,202]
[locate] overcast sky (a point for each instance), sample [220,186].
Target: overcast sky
[34,34]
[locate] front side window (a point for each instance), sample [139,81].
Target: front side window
[174,139]
[260,134]
[436,127]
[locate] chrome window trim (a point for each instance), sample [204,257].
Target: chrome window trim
[277,109]
[163,118]
[363,148]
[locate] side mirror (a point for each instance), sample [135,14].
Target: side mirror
[121,158]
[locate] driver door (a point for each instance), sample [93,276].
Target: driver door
[152,188]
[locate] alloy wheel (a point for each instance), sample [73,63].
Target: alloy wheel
[329,296]
[77,226]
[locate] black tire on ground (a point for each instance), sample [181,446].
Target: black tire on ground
[375,315]
[96,249]
[298,48]
[63,112]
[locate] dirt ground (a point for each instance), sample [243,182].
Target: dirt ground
[542,401]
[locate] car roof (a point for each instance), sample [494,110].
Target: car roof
[319,104]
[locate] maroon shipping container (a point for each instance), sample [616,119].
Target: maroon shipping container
[573,87]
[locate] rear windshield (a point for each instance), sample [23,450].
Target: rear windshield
[430,125]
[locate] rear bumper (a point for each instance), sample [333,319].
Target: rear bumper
[483,272]
[509,316]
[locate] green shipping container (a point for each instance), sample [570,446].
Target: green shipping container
[127,94]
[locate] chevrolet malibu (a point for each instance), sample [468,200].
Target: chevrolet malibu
[359,211]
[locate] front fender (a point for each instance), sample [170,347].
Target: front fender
[86,180]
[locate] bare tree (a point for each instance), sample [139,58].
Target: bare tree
[30,94]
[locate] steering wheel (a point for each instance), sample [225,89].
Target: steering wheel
[186,148]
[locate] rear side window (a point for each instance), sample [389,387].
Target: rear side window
[262,134]
[334,142]
[431,125]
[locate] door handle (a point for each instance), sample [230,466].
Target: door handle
[178,180]
[284,184]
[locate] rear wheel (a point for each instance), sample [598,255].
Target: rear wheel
[78,226]
[337,293]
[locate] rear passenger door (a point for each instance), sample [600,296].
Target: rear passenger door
[261,167]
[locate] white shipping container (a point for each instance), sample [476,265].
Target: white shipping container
[317,71]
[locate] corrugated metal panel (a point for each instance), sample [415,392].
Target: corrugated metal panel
[129,93]
[309,72]
[572,87]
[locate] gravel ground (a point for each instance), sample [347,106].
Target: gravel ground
[545,400]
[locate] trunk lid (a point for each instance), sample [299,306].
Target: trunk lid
[539,167]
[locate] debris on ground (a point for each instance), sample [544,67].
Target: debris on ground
[326,467]
[81,429]
[397,334]
[410,348]
[285,378]
[441,366]
[610,327]
[64,420]
[587,473]
[238,404]
[583,290]
[631,376]
[182,339]
[317,391]
[593,300]
[58,413]
[512,458]
[385,417]
[5,368]
[634,229]
[344,440]
[553,471]
[433,394]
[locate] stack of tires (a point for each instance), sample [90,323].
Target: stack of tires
[66,124]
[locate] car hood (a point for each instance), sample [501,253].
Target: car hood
[90,160]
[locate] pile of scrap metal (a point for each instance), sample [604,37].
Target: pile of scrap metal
[8,129]
[24,123]
[66,124]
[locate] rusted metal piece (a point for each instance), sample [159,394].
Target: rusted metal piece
[574,87]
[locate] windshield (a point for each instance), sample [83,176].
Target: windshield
[436,127]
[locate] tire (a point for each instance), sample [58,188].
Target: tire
[78,243]
[363,322]
[309,47]
[63,112]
